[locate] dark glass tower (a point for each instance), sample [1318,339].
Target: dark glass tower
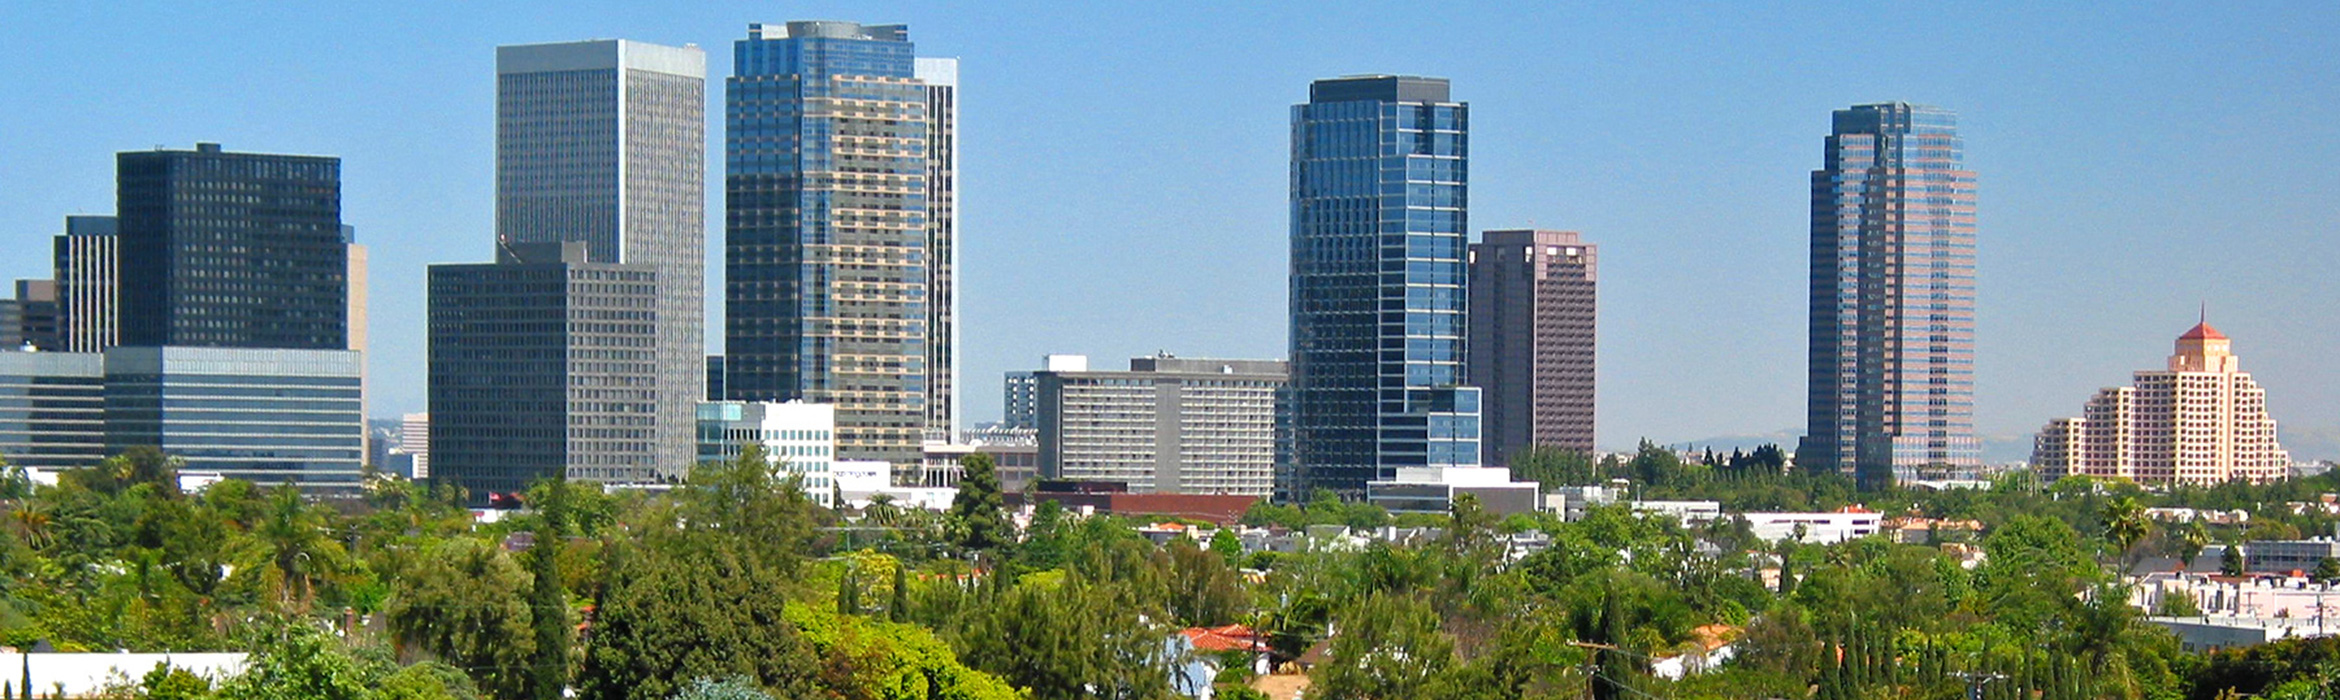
[1379,188]
[837,235]
[1891,375]
[543,363]
[240,250]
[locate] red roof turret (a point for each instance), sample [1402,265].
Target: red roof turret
[2203,331]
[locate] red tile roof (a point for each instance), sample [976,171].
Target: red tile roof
[1228,638]
[2203,331]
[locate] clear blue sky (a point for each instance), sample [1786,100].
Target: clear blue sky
[1124,165]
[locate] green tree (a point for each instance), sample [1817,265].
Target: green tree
[1229,547]
[760,511]
[672,614]
[167,683]
[1204,589]
[2230,561]
[2327,570]
[290,550]
[2125,525]
[1554,467]
[978,515]
[898,605]
[429,680]
[2187,540]
[548,599]
[297,661]
[465,602]
[1389,647]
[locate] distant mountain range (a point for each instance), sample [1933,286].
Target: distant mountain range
[2305,444]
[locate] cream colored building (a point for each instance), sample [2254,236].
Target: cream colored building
[2202,421]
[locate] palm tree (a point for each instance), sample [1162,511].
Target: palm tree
[33,522]
[2124,525]
[881,511]
[2189,538]
[291,545]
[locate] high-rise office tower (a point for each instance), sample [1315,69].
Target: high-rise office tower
[1891,372]
[88,266]
[1379,191]
[544,363]
[941,76]
[604,143]
[832,239]
[240,250]
[1531,340]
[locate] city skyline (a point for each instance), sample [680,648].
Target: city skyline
[2064,309]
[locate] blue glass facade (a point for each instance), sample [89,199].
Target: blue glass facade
[1891,370]
[1380,190]
[263,415]
[827,238]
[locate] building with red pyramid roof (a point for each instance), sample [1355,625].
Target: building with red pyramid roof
[2201,421]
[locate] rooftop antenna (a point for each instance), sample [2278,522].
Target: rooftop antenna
[2205,318]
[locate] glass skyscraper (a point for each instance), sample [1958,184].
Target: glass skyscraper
[838,241]
[1380,174]
[1891,373]
[235,250]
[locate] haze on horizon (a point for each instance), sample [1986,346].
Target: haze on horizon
[1123,182]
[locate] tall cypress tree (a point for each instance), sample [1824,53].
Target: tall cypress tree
[898,609]
[548,599]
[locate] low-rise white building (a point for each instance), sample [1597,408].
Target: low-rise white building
[798,437]
[1433,490]
[1815,528]
[858,482]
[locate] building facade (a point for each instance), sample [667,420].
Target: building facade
[941,77]
[88,269]
[1890,377]
[1532,332]
[2201,422]
[54,416]
[838,177]
[715,390]
[414,439]
[30,321]
[267,416]
[1379,188]
[240,250]
[546,363]
[1021,393]
[796,437]
[604,143]
[1168,425]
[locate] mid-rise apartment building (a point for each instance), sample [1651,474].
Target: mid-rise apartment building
[1168,425]
[2203,421]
